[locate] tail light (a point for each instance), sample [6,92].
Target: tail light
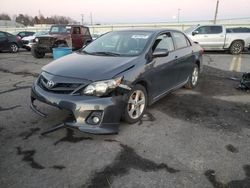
[18,38]
[202,51]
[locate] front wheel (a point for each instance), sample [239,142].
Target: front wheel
[193,78]
[136,104]
[236,47]
[14,48]
[37,53]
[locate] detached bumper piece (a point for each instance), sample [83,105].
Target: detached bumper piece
[94,115]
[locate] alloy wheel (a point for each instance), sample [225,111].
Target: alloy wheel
[136,104]
[237,48]
[14,48]
[195,76]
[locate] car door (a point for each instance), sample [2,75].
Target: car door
[3,41]
[209,37]
[76,37]
[161,71]
[185,56]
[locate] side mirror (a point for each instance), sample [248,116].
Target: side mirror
[195,33]
[160,53]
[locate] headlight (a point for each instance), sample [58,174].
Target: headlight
[36,40]
[101,88]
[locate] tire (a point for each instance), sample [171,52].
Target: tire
[135,109]
[37,53]
[193,78]
[14,48]
[28,49]
[236,47]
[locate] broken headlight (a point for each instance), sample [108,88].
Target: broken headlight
[101,88]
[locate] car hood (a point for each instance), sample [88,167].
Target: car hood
[29,38]
[89,67]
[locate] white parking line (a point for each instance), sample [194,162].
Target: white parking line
[236,63]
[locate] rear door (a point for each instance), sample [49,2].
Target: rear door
[210,37]
[76,37]
[185,56]
[3,41]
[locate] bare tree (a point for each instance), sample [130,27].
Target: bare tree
[4,16]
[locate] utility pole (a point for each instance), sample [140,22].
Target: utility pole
[216,11]
[179,10]
[82,18]
[91,19]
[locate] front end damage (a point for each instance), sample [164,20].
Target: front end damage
[91,114]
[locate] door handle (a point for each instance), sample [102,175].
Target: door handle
[205,36]
[176,57]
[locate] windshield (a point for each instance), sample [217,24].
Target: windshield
[40,33]
[120,43]
[60,29]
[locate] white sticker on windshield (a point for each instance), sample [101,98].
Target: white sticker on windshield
[139,36]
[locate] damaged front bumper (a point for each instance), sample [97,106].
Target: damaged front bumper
[95,115]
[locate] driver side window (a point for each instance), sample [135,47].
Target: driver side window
[163,42]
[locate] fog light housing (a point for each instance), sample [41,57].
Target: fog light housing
[95,118]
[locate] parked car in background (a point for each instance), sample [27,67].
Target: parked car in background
[117,76]
[72,36]
[238,30]
[215,37]
[22,34]
[29,41]
[9,42]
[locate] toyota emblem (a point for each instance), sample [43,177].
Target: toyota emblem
[50,84]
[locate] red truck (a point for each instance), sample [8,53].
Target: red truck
[72,36]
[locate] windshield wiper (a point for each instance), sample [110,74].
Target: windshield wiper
[106,53]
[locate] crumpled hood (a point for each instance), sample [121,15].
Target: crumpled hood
[89,67]
[29,38]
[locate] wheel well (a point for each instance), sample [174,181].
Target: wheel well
[143,83]
[61,42]
[14,43]
[243,42]
[198,63]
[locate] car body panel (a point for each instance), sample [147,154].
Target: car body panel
[218,41]
[159,75]
[6,39]
[70,38]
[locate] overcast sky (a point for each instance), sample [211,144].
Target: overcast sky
[120,11]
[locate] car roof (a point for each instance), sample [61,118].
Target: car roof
[71,25]
[149,30]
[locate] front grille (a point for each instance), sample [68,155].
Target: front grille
[45,41]
[60,88]
[25,41]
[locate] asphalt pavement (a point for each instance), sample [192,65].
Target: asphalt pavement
[190,138]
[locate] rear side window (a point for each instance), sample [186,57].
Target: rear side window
[180,40]
[209,30]
[85,31]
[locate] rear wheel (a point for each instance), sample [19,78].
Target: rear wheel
[136,104]
[37,53]
[236,47]
[193,78]
[14,48]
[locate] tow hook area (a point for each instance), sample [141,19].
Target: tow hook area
[55,128]
[34,108]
